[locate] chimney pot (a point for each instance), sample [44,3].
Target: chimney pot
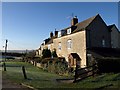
[74,21]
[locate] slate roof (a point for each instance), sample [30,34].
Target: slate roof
[111,26]
[81,25]
[84,24]
[78,27]
[51,40]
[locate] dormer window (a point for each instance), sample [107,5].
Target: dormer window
[43,42]
[49,47]
[59,34]
[69,31]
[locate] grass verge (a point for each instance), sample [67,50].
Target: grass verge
[38,78]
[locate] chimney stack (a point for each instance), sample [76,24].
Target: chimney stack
[74,21]
[51,34]
[56,33]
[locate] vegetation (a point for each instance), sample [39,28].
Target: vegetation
[46,53]
[58,66]
[30,55]
[107,65]
[13,54]
[48,63]
[54,54]
[38,78]
[55,65]
[10,58]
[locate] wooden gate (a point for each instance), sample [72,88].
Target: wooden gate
[83,73]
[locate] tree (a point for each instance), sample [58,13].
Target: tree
[46,53]
[54,53]
[30,55]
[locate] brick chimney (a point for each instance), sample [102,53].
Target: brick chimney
[74,21]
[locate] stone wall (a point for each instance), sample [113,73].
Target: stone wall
[97,34]
[78,46]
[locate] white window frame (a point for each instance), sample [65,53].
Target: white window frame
[69,44]
[44,42]
[59,46]
[69,31]
[49,47]
[59,34]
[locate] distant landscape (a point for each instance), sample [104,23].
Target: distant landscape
[17,51]
[13,53]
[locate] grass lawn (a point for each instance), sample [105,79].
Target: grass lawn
[38,78]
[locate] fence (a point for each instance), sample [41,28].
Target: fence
[85,72]
[23,69]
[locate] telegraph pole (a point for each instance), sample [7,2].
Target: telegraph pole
[4,65]
[6,48]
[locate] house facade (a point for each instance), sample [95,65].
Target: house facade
[77,38]
[73,43]
[115,36]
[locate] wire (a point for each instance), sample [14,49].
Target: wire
[15,44]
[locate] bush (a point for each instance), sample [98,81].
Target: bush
[10,58]
[60,67]
[37,59]
[108,65]
[54,53]
[55,65]
[46,53]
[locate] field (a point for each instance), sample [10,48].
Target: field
[38,78]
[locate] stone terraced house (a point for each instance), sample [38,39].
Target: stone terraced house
[73,41]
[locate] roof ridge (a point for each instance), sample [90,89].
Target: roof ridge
[93,17]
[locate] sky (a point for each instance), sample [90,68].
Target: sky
[60,0]
[26,24]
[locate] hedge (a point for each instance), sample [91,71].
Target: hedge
[108,65]
[55,65]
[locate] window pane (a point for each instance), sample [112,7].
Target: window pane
[59,46]
[69,31]
[69,44]
[59,34]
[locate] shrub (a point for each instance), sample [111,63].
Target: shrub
[60,67]
[37,59]
[54,53]
[55,65]
[46,53]
[10,58]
